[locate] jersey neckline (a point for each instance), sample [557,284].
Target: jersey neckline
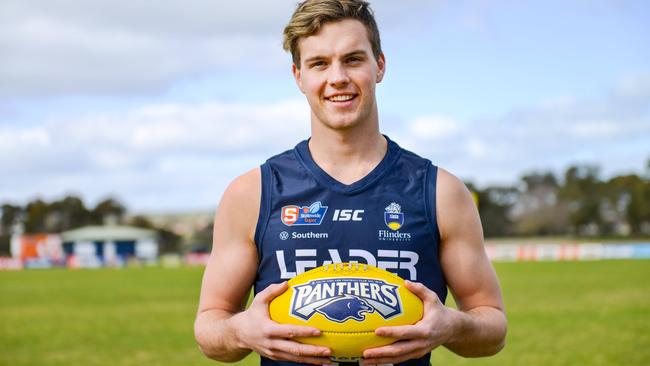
[304,156]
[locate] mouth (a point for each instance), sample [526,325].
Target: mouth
[341,98]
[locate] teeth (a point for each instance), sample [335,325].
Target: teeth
[341,98]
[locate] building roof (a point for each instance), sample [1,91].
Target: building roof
[108,233]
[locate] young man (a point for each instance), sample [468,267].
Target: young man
[347,194]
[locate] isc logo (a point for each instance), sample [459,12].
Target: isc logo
[348,215]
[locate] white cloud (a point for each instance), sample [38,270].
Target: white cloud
[147,152]
[633,87]
[212,127]
[476,148]
[181,156]
[595,130]
[63,47]
[612,130]
[15,138]
[166,154]
[434,127]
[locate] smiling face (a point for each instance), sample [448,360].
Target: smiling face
[338,74]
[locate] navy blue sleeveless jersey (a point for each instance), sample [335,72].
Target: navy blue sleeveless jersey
[386,219]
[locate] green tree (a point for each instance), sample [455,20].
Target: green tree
[638,210]
[538,210]
[141,222]
[66,214]
[201,240]
[169,242]
[621,208]
[495,204]
[581,193]
[35,216]
[10,215]
[109,210]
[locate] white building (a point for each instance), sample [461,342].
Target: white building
[112,245]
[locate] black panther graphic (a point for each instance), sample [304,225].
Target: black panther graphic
[344,308]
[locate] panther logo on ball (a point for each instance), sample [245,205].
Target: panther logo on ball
[345,308]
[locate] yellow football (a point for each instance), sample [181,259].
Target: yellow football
[347,302]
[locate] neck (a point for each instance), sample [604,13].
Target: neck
[350,154]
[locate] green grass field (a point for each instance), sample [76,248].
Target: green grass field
[568,313]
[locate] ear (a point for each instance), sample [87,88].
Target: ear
[381,67]
[297,76]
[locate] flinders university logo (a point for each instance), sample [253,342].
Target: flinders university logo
[340,299]
[305,215]
[393,216]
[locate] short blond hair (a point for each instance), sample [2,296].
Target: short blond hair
[311,15]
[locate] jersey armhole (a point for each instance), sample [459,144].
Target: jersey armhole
[430,200]
[265,206]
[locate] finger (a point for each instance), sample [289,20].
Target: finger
[394,350]
[280,355]
[292,331]
[401,332]
[270,292]
[300,349]
[422,291]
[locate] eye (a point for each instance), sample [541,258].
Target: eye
[317,64]
[354,60]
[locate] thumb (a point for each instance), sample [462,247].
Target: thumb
[269,293]
[422,291]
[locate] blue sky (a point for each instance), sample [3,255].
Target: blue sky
[162,105]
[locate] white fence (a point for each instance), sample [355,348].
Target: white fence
[566,252]
[511,252]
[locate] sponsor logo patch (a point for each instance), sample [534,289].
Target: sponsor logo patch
[348,215]
[388,235]
[306,235]
[394,219]
[393,216]
[341,299]
[305,215]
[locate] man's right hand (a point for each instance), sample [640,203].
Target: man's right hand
[255,330]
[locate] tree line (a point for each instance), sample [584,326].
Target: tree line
[39,216]
[577,203]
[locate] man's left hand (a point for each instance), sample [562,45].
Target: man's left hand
[414,341]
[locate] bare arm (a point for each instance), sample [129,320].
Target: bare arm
[223,329]
[479,328]
[230,271]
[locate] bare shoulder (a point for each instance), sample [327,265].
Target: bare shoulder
[450,188]
[245,187]
[454,203]
[240,204]
[233,262]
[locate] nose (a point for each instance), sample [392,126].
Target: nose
[338,75]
